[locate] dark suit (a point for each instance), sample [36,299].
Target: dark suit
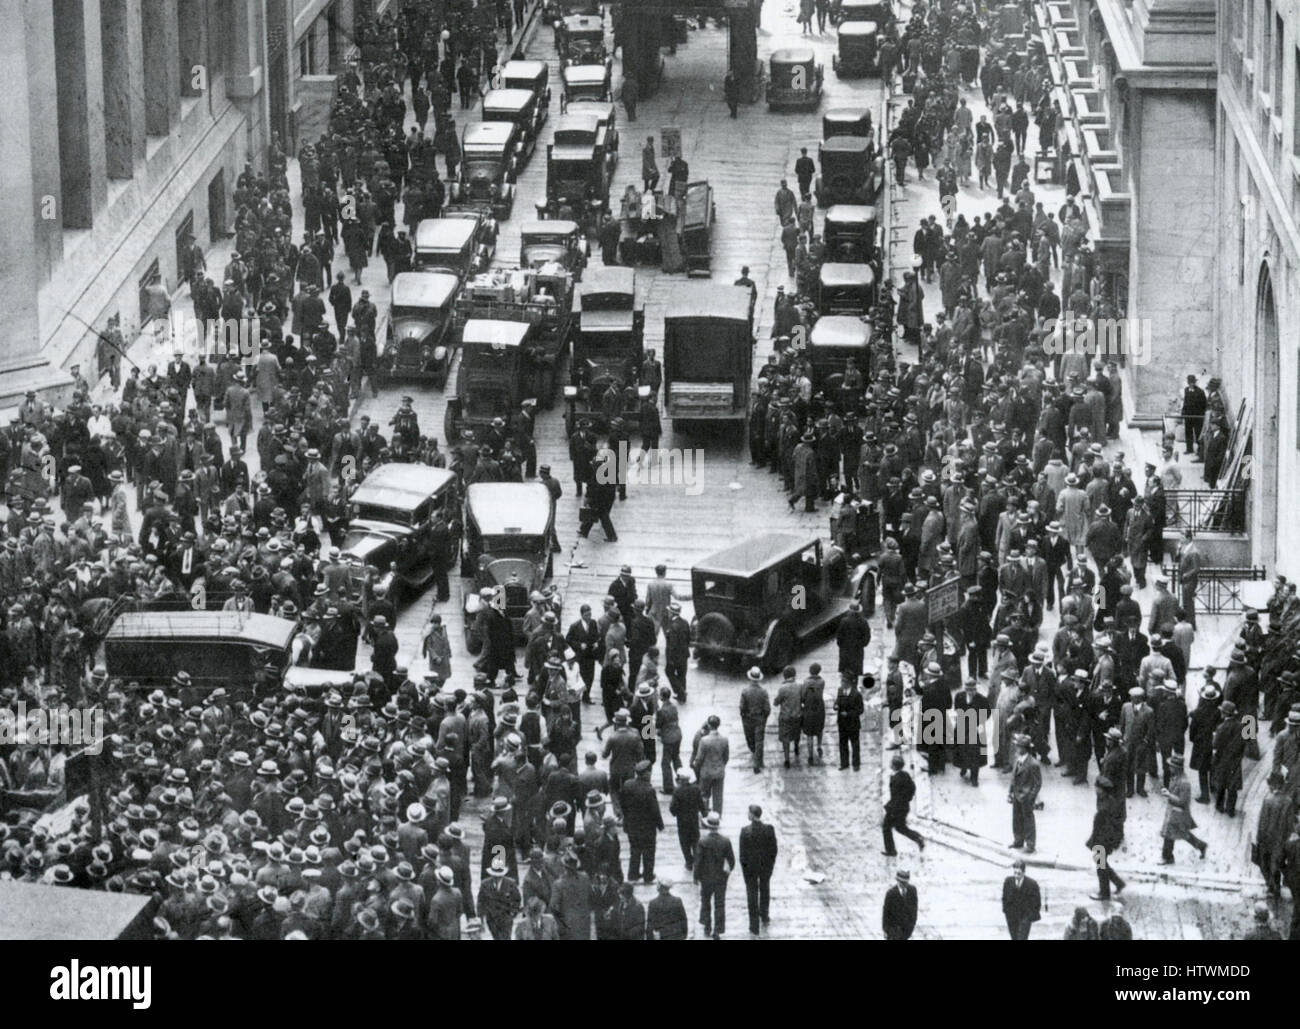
[714,861]
[901,792]
[666,915]
[641,821]
[757,860]
[898,917]
[1022,905]
[585,642]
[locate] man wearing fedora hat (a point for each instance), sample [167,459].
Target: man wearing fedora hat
[1277,817]
[714,861]
[1178,823]
[899,911]
[1229,745]
[1026,782]
[499,900]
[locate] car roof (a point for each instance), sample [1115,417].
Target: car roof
[401,485]
[840,330]
[489,133]
[573,151]
[793,55]
[847,144]
[752,555]
[585,73]
[850,213]
[424,289]
[579,121]
[858,28]
[265,630]
[506,99]
[495,332]
[708,300]
[509,508]
[523,69]
[583,23]
[618,279]
[840,273]
[556,227]
[846,114]
[444,233]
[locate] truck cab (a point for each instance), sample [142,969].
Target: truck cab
[608,339]
[491,152]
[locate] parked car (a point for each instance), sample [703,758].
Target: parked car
[848,173]
[857,48]
[758,599]
[846,121]
[845,288]
[850,232]
[558,242]
[416,344]
[452,244]
[391,539]
[533,76]
[794,79]
[521,108]
[491,154]
[507,550]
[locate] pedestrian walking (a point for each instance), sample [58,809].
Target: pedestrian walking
[901,791]
[758,850]
[714,861]
[899,911]
[1022,901]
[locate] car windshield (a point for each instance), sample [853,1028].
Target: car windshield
[513,542]
[379,513]
[481,167]
[487,403]
[435,315]
[570,171]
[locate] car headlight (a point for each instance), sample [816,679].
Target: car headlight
[390,349]
[439,353]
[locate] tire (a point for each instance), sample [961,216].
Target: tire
[715,631]
[780,650]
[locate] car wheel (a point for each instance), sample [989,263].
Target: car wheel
[780,650]
[715,632]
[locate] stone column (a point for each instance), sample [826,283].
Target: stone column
[162,88]
[81,110]
[1171,278]
[192,47]
[29,153]
[123,58]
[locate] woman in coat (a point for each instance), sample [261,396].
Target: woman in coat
[437,648]
[970,731]
[1204,720]
[814,711]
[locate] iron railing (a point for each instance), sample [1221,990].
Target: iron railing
[1206,510]
[1218,590]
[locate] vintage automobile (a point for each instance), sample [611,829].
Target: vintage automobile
[581,40]
[577,183]
[879,11]
[216,648]
[847,172]
[534,76]
[857,49]
[390,537]
[555,10]
[757,599]
[507,550]
[521,108]
[850,233]
[491,154]
[607,349]
[586,83]
[845,288]
[454,243]
[553,242]
[833,340]
[794,79]
[846,121]
[542,298]
[497,373]
[416,344]
[708,355]
[594,124]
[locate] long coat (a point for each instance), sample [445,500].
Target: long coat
[970,730]
[814,705]
[1179,822]
[1229,749]
[805,471]
[1201,726]
[1072,510]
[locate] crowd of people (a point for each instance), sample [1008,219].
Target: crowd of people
[270,813]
